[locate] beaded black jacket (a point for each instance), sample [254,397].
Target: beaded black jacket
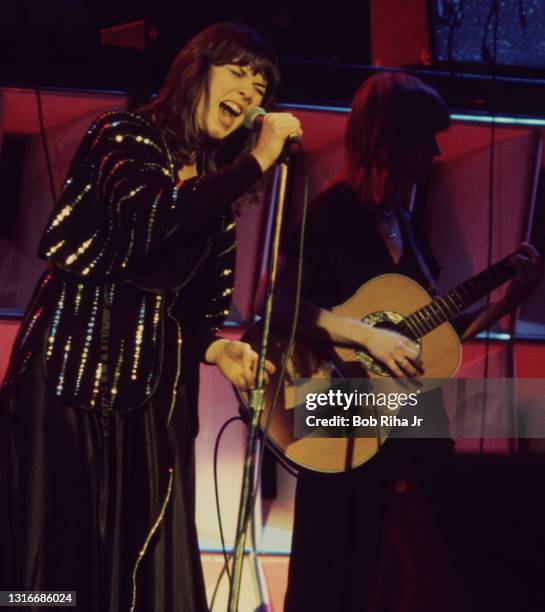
[139,263]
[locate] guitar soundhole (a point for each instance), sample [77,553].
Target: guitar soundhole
[385,319]
[388,325]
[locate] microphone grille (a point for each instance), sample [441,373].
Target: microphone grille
[251,115]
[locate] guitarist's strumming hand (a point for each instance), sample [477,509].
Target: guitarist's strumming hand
[396,352]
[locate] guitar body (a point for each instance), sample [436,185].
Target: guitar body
[383,300]
[314,454]
[391,298]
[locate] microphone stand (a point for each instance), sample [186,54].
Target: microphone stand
[257,396]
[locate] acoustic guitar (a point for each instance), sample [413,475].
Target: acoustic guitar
[392,301]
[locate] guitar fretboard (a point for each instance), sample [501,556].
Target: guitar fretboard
[455,301]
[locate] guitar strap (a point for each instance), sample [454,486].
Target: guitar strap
[406,222]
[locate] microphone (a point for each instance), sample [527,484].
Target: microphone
[253,119]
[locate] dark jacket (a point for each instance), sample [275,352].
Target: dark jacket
[140,263]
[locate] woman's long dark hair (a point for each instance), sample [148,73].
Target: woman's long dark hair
[174,110]
[391,112]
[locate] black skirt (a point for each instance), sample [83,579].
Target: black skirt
[370,540]
[108,513]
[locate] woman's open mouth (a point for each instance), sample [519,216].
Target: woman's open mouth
[229,112]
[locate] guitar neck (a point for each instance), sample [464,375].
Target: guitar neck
[458,299]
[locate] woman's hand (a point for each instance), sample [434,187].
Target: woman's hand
[528,266]
[237,361]
[276,129]
[396,352]
[187,172]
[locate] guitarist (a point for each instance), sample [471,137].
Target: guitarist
[357,229]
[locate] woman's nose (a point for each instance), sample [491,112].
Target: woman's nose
[245,89]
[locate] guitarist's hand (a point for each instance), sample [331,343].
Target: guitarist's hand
[395,351]
[528,266]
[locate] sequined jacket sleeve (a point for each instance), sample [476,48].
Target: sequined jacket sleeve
[123,200]
[203,304]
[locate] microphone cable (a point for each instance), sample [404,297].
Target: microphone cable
[216,487]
